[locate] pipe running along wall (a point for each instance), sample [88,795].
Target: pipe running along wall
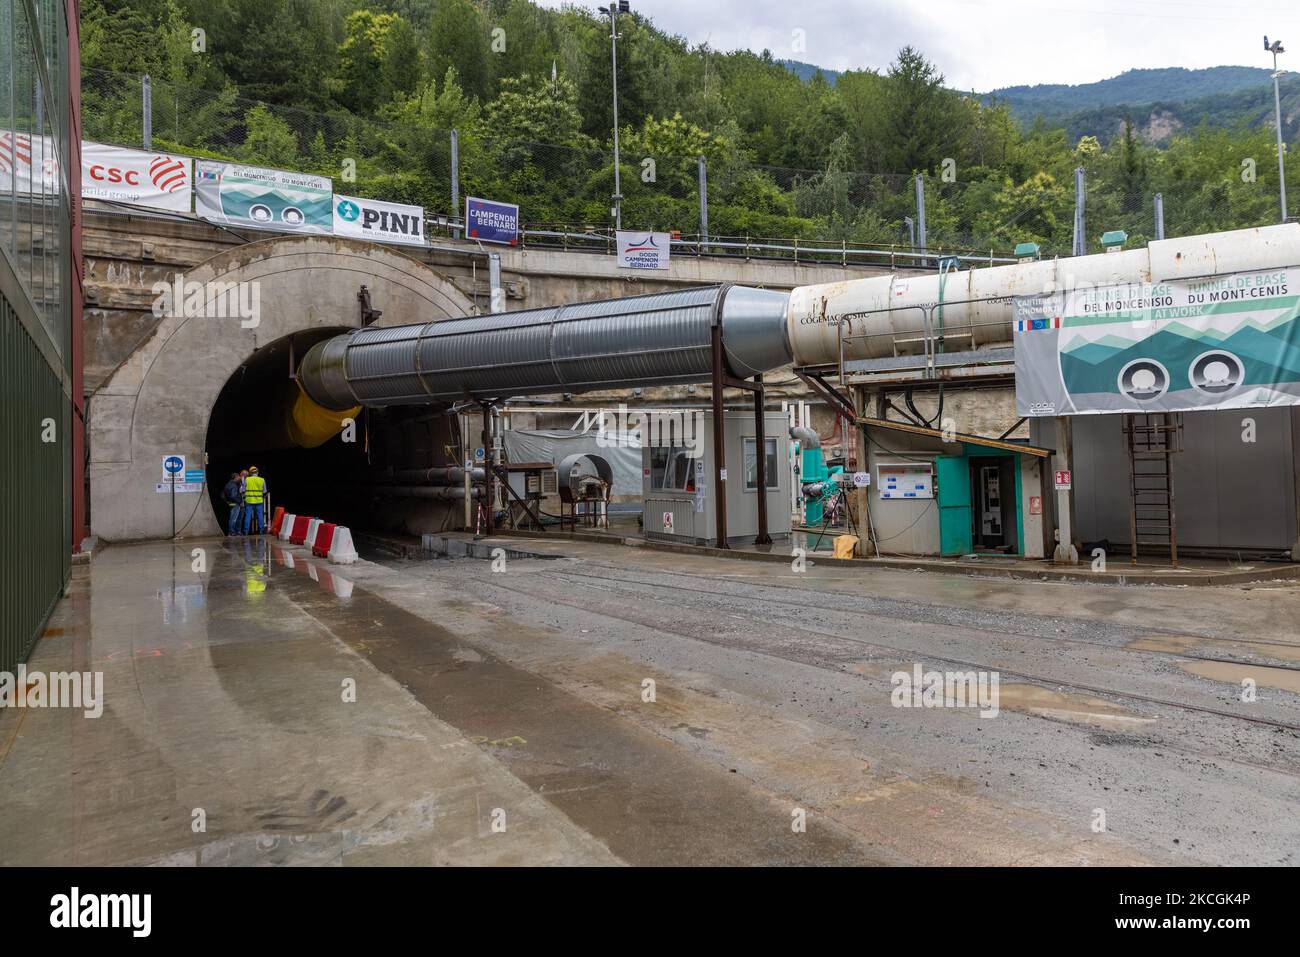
[664,338]
[885,315]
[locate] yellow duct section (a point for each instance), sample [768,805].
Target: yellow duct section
[309,425]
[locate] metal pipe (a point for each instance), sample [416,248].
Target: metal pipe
[1080,192]
[447,492]
[1281,147]
[835,254]
[438,476]
[455,181]
[806,437]
[613,53]
[497,302]
[704,200]
[884,316]
[920,215]
[610,344]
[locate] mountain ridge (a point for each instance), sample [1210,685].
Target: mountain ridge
[1161,101]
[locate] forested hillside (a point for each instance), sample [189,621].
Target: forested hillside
[1169,84]
[323,85]
[1160,103]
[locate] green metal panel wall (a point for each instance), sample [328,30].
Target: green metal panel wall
[34,492]
[953,495]
[35,323]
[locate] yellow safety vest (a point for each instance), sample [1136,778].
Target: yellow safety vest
[254,490]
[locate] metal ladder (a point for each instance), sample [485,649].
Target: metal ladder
[1151,439]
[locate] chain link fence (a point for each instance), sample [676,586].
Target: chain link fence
[723,205]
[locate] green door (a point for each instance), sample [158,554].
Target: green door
[953,476]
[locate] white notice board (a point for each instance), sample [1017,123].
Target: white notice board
[905,480]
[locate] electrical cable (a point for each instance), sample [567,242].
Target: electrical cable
[925,511]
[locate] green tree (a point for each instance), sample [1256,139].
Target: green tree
[268,139]
[418,144]
[458,39]
[920,122]
[378,59]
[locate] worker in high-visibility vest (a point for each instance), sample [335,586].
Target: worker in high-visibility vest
[254,503]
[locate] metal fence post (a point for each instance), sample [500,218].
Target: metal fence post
[146,109]
[920,214]
[455,182]
[1080,239]
[1160,215]
[704,201]
[498,299]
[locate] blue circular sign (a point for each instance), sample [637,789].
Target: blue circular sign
[349,210]
[173,463]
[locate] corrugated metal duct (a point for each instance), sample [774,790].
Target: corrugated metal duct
[657,339]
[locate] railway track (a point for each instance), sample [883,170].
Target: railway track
[1138,633]
[1027,675]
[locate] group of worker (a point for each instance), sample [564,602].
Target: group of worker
[245,493]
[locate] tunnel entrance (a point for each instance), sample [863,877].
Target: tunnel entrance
[360,477]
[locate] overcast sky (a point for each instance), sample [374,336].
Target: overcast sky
[986,44]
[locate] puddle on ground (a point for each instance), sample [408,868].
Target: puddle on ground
[1283,678]
[332,582]
[871,670]
[1180,644]
[1069,706]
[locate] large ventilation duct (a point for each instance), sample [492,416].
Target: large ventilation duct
[887,315]
[666,338]
[657,339]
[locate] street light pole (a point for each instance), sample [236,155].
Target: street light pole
[1275,48]
[614,9]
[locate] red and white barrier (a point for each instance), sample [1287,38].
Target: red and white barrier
[299,533]
[342,551]
[324,539]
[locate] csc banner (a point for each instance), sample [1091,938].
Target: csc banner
[28,164]
[264,198]
[122,175]
[643,250]
[378,222]
[1227,342]
[491,222]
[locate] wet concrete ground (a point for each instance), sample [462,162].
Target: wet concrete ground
[523,695]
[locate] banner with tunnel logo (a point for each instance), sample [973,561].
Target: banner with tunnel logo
[138,177]
[1223,342]
[263,198]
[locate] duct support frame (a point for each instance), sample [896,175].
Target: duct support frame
[760,460]
[490,497]
[719,443]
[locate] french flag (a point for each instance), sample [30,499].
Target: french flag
[1037,325]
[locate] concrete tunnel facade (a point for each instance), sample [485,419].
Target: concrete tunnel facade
[159,401]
